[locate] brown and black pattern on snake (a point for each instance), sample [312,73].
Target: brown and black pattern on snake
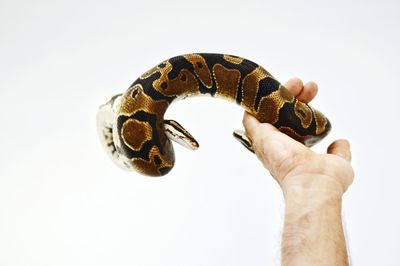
[140,116]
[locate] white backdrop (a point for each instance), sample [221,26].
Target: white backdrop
[63,202]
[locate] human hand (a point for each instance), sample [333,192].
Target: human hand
[292,164]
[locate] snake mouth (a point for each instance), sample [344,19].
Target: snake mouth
[312,140]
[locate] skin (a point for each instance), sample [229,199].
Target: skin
[312,185]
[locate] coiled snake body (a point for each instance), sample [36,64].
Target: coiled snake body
[135,134]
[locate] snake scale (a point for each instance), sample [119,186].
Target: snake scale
[136,135]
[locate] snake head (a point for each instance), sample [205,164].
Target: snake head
[303,119]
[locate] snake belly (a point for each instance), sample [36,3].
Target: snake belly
[139,131]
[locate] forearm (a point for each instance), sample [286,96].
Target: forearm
[313,232]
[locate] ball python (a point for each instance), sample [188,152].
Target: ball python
[135,134]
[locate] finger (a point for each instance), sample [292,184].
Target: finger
[308,93]
[294,85]
[257,131]
[250,124]
[340,147]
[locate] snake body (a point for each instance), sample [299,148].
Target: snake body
[137,134]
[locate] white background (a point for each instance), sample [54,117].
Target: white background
[63,202]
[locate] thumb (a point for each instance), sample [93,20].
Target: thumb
[252,126]
[340,147]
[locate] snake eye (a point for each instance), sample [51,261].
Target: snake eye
[183,77]
[164,85]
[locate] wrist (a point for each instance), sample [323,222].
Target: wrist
[313,233]
[311,187]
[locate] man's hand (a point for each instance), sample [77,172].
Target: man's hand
[289,161]
[313,185]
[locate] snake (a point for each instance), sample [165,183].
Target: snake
[133,130]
